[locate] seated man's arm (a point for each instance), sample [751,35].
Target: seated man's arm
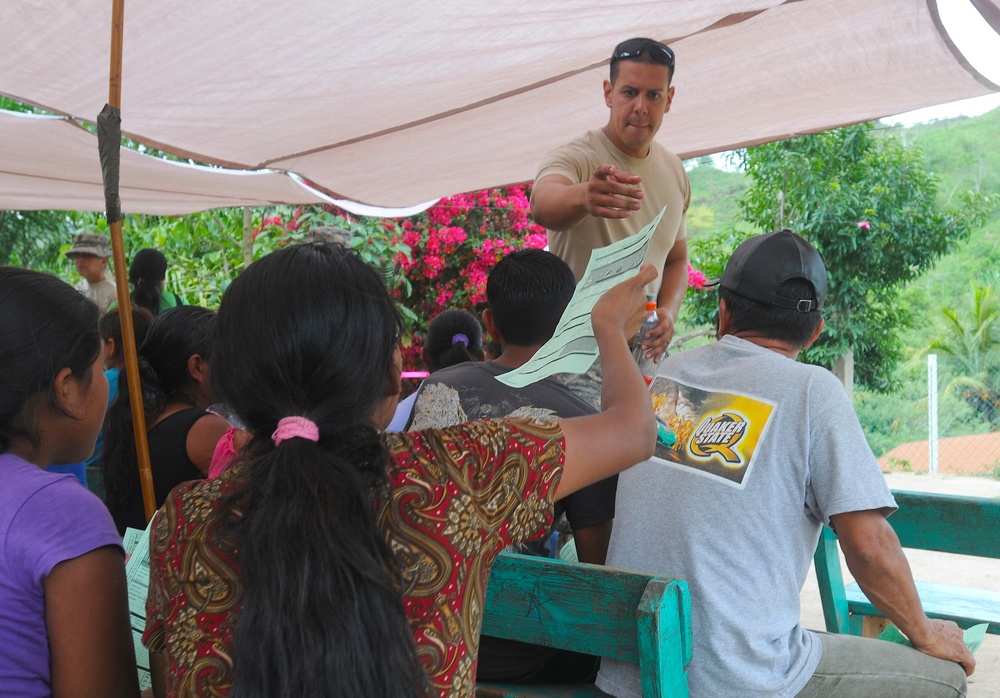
[592,542]
[877,562]
[558,203]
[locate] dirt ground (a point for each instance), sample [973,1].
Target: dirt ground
[939,567]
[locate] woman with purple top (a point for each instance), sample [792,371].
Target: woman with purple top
[64,625]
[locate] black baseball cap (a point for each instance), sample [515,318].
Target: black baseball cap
[762,263]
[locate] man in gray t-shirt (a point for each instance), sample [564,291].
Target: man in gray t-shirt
[762,451]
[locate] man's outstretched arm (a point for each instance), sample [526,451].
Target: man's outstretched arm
[877,562]
[558,204]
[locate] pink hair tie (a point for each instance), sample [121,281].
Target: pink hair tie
[295,428]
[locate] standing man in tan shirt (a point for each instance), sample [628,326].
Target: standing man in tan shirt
[611,182]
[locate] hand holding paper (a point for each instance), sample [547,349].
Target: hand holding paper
[573,347]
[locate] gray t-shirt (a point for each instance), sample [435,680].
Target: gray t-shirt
[767,449]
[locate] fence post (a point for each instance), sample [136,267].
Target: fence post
[932,412]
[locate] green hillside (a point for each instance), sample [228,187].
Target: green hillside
[964,154]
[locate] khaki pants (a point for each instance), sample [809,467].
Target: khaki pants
[861,667]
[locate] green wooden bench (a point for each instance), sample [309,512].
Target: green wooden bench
[607,612]
[943,523]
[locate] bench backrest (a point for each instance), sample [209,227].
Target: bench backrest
[596,610]
[938,522]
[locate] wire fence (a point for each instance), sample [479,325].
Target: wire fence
[952,429]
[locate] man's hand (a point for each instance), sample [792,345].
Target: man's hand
[612,193]
[945,640]
[559,204]
[657,339]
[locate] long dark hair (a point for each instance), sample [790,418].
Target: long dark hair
[453,337]
[146,275]
[47,326]
[110,328]
[322,616]
[173,337]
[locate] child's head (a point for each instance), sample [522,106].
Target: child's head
[146,274]
[110,328]
[527,292]
[178,347]
[49,367]
[453,337]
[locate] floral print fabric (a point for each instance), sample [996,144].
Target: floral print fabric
[457,497]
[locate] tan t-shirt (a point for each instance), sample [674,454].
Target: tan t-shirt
[104,292]
[664,182]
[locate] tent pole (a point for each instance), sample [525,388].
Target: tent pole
[121,273]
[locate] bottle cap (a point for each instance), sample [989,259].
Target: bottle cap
[650,305]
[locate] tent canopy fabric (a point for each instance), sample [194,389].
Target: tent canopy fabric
[397,103]
[51,160]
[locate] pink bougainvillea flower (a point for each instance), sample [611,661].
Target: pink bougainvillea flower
[865,224]
[696,277]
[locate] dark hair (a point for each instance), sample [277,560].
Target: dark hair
[323,616]
[443,346]
[527,292]
[149,267]
[110,328]
[770,321]
[642,50]
[47,326]
[174,336]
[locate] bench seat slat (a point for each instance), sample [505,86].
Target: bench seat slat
[496,690]
[964,605]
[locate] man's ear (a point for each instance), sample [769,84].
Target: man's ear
[725,318]
[608,88]
[816,333]
[490,323]
[670,99]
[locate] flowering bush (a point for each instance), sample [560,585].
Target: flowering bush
[451,249]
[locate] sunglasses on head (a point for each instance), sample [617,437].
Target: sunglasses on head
[633,48]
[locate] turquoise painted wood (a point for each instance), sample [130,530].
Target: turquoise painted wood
[596,610]
[943,523]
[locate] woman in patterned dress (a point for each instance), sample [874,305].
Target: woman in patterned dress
[331,559]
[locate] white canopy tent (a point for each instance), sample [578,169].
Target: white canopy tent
[397,103]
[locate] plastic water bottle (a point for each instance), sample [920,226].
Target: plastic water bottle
[646,364]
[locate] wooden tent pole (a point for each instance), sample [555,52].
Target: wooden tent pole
[121,281]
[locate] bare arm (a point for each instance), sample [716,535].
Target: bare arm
[673,287]
[877,562]
[86,614]
[592,542]
[624,432]
[158,673]
[559,204]
[202,439]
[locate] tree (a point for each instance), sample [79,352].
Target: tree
[869,206]
[970,343]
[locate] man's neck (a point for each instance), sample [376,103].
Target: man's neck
[95,279]
[513,356]
[778,346]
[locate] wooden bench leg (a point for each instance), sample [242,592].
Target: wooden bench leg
[874,625]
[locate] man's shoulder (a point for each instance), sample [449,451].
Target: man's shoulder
[568,159]
[462,373]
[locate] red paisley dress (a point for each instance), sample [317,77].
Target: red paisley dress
[457,497]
